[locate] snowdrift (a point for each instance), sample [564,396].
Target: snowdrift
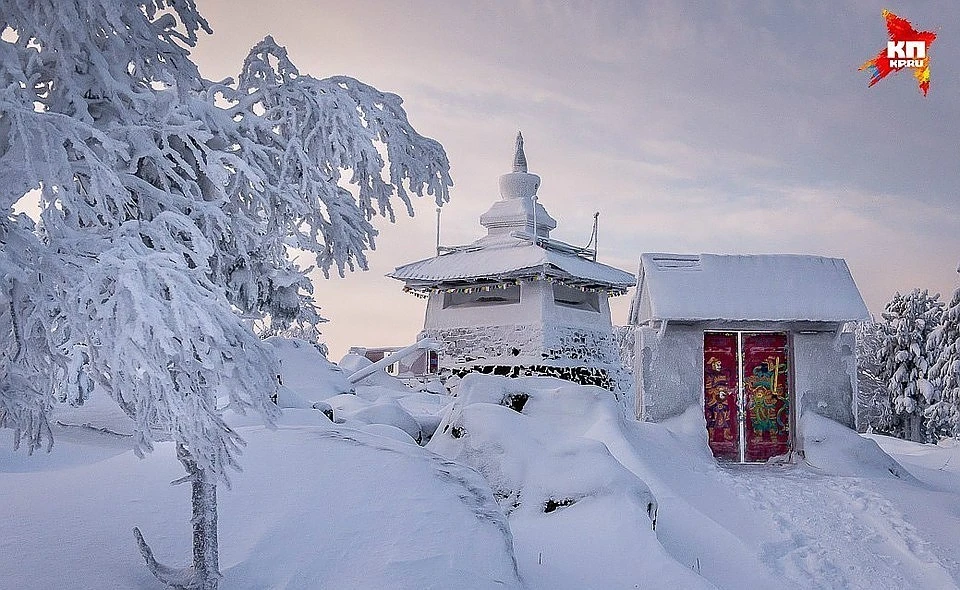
[843,520]
[357,510]
[528,483]
[579,517]
[833,448]
[379,403]
[317,506]
[307,372]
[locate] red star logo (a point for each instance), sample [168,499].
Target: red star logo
[901,32]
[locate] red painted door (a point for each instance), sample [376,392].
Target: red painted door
[720,392]
[765,388]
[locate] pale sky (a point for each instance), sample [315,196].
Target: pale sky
[720,126]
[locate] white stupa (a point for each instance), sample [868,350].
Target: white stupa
[516,302]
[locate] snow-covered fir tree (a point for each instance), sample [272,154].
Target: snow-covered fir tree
[943,415]
[904,360]
[167,206]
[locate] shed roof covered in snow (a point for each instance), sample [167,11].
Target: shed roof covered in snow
[759,287]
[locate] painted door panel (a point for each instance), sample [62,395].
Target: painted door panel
[720,374]
[746,399]
[765,385]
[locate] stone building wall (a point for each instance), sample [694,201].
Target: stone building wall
[582,375]
[525,345]
[588,357]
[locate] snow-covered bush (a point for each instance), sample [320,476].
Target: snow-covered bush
[626,337]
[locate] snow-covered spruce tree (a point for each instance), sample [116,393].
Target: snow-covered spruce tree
[904,360]
[167,205]
[873,403]
[943,416]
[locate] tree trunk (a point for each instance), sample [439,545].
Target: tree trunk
[206,557]
[205,572]
[915,428]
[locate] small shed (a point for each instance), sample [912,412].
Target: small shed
[517,302]
[753,340]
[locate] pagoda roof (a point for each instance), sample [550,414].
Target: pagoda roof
[512,259]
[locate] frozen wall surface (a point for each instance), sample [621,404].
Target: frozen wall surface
[536,333]
[669,368]
[669,371]
[825,375]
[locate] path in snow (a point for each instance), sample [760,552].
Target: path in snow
[837,532]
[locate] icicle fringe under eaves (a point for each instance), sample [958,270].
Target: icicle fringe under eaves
[424,292]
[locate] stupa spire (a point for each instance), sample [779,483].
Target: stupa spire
[517,209]
[519,159]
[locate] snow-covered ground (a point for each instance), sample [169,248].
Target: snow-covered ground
[317,506]
[530,483]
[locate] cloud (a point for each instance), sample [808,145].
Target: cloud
[723,126]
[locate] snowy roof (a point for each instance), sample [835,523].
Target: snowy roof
[513,259]
[762,287]
[517,245]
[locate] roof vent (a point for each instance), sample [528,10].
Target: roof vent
[677,262]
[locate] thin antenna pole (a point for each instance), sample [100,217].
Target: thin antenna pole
[596,234]
[438,231]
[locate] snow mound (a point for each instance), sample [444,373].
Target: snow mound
[835,449]
[517,433]
[288,398]
[573,507]
[306,372]
[529,467]
[387,412]
[351,363]
[309,380]
[416,413]
[317,506]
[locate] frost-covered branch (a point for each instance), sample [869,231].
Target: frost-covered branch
[168,208]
